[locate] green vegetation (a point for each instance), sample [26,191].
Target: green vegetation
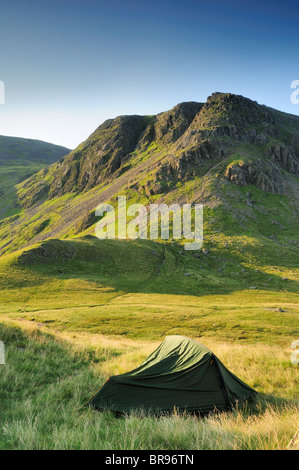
[86,309]
[20,159]
[144,289]
[46,382]
[10,175]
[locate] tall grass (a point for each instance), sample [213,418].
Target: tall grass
[46,381]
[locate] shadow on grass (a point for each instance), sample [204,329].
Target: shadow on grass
[144,266]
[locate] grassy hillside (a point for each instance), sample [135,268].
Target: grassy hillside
[19,159]
[49,377]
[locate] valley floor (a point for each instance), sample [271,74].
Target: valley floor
[49,375]
[69,324]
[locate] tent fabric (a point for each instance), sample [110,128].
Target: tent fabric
[182,374]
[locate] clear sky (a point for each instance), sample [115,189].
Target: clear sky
[68,65]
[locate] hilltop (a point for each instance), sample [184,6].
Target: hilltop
[19,159]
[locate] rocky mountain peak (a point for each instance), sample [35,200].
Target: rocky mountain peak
[178,145]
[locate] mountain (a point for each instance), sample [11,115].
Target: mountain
[238,158]
[19,159]
[16,149]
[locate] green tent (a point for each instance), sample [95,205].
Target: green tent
[181,373]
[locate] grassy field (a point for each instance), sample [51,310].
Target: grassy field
[49,376]
[143,289]
[74,312]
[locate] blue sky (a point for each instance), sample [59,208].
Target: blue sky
[68,65]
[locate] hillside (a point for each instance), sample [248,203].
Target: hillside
[19,159]
[238,158]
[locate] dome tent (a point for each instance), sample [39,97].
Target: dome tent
[182,374]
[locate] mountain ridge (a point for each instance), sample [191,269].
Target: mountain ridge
[16,148]
[195,152]
[191,132]
[19,159]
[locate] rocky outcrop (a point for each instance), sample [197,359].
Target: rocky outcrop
[99,156]
[87,221]
[264,176]
[266,173]
[189,163]
[285,157]
[168,127]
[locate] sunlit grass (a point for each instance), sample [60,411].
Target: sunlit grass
[105,310]
[47,380]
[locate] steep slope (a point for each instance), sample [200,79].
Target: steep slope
[227,122]
[237,157]
[20,158]
[108,152]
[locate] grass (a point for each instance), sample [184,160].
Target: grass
[48,378]
[140,289]
[19,159]
[10,175]
[77,311]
